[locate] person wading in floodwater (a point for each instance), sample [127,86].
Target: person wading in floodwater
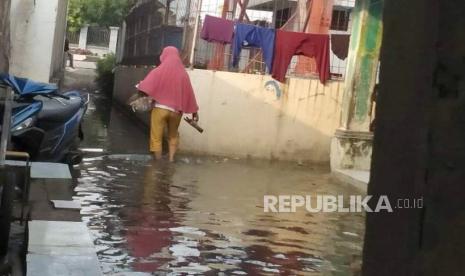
[170,87]
[68,54]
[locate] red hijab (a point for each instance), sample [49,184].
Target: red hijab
[169,83]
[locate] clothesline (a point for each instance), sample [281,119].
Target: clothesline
[277,46]
[282,27]
[339,47]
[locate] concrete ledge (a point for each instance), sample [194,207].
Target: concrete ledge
[45,170]
[61,248]
[350,134]
[358,179]
[44,190]
[351,150]
[52,265]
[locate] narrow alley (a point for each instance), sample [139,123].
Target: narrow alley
[224,137]
[203,215]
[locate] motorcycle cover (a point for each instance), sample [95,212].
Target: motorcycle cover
[25,87]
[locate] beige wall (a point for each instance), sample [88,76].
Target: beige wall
[241,117]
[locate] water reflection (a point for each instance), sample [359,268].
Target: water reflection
[205,215]
[208,217]
[148,235]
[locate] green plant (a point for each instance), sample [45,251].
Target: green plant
[105,75]
[103,13]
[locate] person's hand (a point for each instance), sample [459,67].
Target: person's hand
[195,117]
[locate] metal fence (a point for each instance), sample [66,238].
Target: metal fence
[153,25]
[279,14]
[73,37]
[98,36]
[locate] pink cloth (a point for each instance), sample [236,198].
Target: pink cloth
[217,29]
[169,84]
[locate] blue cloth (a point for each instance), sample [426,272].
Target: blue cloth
[254,36]
[24,86]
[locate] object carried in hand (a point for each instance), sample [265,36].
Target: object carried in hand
[141,103]
[193,124]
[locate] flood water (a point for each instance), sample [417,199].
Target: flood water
[203,215]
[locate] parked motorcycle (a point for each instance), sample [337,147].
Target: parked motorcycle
[46,123]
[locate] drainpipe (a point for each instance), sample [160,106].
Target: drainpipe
[4,68]
[186,23]
[196,30]
[167,12]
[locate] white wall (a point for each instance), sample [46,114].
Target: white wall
[243,118]
[35,46]
[59,40]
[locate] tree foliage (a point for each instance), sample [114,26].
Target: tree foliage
[103,13]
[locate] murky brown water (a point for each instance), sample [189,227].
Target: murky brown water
[204,215]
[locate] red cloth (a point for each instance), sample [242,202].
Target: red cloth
[288,44]
[169,83]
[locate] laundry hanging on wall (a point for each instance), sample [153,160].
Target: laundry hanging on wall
[217,29]
[340,45]
[254,36]
[288,44]
[278,46]
[319,15]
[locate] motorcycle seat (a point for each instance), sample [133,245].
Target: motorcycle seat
[58,109]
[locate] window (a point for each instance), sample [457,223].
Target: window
[340,20]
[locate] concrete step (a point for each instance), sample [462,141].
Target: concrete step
[61,248]
[45,170]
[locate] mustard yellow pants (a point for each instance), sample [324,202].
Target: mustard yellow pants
[161,119]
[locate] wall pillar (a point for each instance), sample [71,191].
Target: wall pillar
[83,37]
[113,39]
[4,36]
[419,144]
[362,65]
[121,43]
[352,143]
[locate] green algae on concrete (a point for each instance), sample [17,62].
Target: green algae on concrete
[364,48]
